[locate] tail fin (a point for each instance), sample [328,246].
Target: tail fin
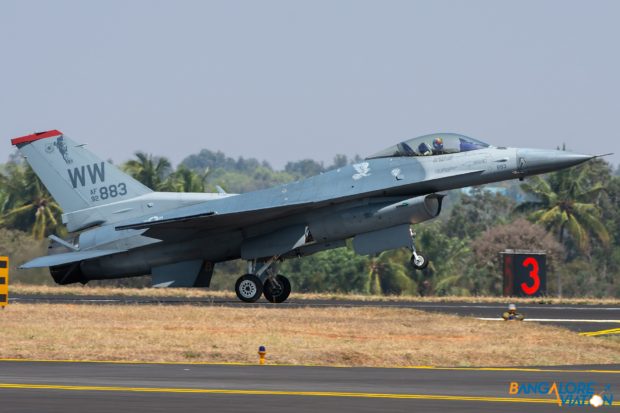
[76,178]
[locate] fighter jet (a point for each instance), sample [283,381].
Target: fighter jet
[121,228]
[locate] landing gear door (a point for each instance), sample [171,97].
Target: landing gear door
[382,240]
[275,243]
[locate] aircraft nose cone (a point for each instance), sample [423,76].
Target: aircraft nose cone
[536,161]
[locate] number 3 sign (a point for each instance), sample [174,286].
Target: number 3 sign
[525,273]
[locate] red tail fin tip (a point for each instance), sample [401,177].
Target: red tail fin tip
[36,137]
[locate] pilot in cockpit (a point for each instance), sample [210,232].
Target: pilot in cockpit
[438,146]
[436,149]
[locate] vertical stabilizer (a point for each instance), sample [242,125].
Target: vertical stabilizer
[76,178]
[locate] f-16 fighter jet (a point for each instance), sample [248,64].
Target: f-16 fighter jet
[121,228]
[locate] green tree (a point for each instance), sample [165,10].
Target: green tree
[337,270]
[151,170]
[21,247]
[185,180]
[238,182]
[340,161]
[26,204]
[387,274]
[566,204]
[476,212]
[449,260]
[304,168]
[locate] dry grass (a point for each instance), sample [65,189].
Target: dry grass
[323,336]
[78,290]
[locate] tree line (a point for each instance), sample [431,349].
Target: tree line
[573,214]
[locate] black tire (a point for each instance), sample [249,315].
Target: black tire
[421,263]
[277,294]
[249,288]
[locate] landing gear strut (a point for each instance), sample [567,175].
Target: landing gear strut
[418,261]
[263,280]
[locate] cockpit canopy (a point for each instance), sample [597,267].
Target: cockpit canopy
[433,144]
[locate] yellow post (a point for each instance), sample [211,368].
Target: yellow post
[4,281]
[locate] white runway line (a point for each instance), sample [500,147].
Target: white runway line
[554,320]
[522,307]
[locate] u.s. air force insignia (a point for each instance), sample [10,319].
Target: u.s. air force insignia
[362,169]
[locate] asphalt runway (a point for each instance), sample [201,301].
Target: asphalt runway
[27,386]
[580,318]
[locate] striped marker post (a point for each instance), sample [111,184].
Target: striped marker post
[4,281]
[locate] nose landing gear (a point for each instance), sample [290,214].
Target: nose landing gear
[418,261]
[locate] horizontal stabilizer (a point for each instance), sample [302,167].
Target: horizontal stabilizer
[67,258]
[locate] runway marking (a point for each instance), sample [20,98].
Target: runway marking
[584,307]
[600,332]
[279,393]
[242,364]
[555,320]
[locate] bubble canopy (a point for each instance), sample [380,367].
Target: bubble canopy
[433,144]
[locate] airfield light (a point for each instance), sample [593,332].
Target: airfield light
[262,352]
[512,314]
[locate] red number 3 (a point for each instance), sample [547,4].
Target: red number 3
[529,290]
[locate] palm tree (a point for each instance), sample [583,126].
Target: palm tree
[566,204]
[186,180]
[150,170]
[4,195]
[26,204]
[387,274]
[449,269]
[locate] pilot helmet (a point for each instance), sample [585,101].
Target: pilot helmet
[438,143]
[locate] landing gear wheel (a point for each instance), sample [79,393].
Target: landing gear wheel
[277,293]
[248,288]
[420,262]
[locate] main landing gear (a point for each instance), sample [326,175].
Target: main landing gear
[265,281]
[418,261]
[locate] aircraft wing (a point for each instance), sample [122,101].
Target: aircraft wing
[241,214]
[67,258]
[213,220]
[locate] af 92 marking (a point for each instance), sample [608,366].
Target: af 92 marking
[108,191]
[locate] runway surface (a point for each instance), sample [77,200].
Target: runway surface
[27,386]
[580,318]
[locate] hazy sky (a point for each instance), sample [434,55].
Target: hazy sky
[289,80]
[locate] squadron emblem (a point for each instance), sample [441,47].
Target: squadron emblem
[62,148]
